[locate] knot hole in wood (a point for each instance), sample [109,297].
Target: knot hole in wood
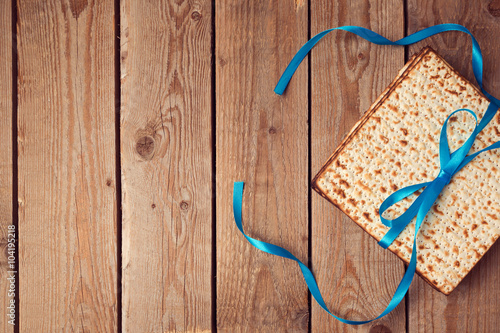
[196,16]
[494,8]
[145,147]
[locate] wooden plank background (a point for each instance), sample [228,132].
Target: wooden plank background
[124,124]
[66,157]
[347,75]
[6,160]
[261,138]
[166,156]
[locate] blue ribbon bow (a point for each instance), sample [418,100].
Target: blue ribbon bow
[450,165]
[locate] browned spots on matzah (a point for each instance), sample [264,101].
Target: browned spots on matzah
[367,216]
[477,255]
[367,158]
[435,208]
[451,92]
[344,183]
[392,107]
[358,169]
[338,164]
[340,192]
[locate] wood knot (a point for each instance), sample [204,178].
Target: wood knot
[153,206]
[77,7]
[109,182]
[380,329]
[361,56]
[222,62]
[145,147]
[196,16]
[494,8]
[300,318]
[272,130]
[184,205]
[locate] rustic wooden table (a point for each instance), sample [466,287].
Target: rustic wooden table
[124,125]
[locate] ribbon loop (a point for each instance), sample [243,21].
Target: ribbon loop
[450,164]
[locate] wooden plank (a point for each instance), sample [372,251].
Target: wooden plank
[262,140]
[6,168]
[166,165]
[67,199]
[356,276]
[474,306]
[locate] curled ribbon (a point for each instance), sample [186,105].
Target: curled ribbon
[450,165]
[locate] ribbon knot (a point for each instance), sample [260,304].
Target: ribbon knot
[444,176]
[450,165]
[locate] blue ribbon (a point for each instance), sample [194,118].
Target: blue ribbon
[450,165]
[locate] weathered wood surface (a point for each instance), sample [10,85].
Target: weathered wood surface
[474,306]
[166,152]
[356,276]
[261,138]
[6,161]
[178,109]
[67,199]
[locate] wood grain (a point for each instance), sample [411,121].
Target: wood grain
[356,276]
[67,200]
[474,306]
[6,165]
[166,151]
[262,140]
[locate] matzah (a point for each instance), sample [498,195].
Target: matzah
[395,145]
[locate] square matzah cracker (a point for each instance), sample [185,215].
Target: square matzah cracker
[395,144]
